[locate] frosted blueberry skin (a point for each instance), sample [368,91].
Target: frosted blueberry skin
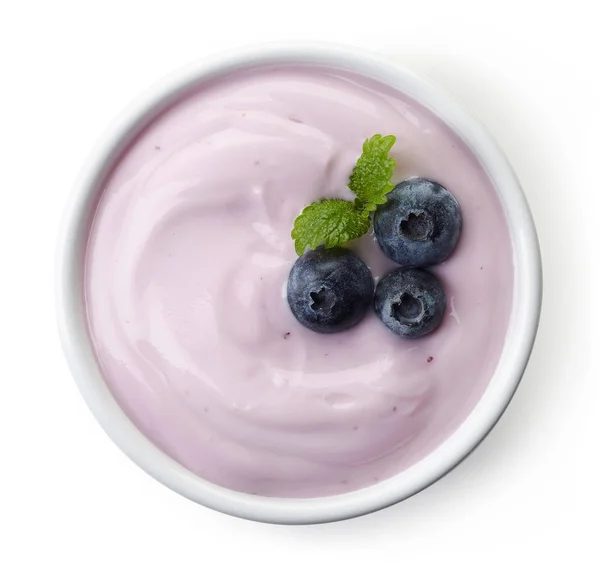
[420,224]
[410,302]
[329,290]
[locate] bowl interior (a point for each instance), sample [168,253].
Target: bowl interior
[81,357]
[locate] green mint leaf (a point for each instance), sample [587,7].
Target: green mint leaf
[370,179]
[329,222]
[332,221]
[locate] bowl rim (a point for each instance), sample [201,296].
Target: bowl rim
[77,345]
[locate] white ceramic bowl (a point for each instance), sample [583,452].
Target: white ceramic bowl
[80,355]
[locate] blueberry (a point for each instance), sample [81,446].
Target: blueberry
[329,290]
[419,225]
[410,302]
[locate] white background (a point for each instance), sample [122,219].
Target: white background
[527,69]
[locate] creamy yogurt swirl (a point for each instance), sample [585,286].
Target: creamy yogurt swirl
[187,261]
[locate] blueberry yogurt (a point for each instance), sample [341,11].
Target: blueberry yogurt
[282,375]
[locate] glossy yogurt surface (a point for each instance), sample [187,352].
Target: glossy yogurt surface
[188,257]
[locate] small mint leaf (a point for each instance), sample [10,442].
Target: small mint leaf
[371,177]
[328,222]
